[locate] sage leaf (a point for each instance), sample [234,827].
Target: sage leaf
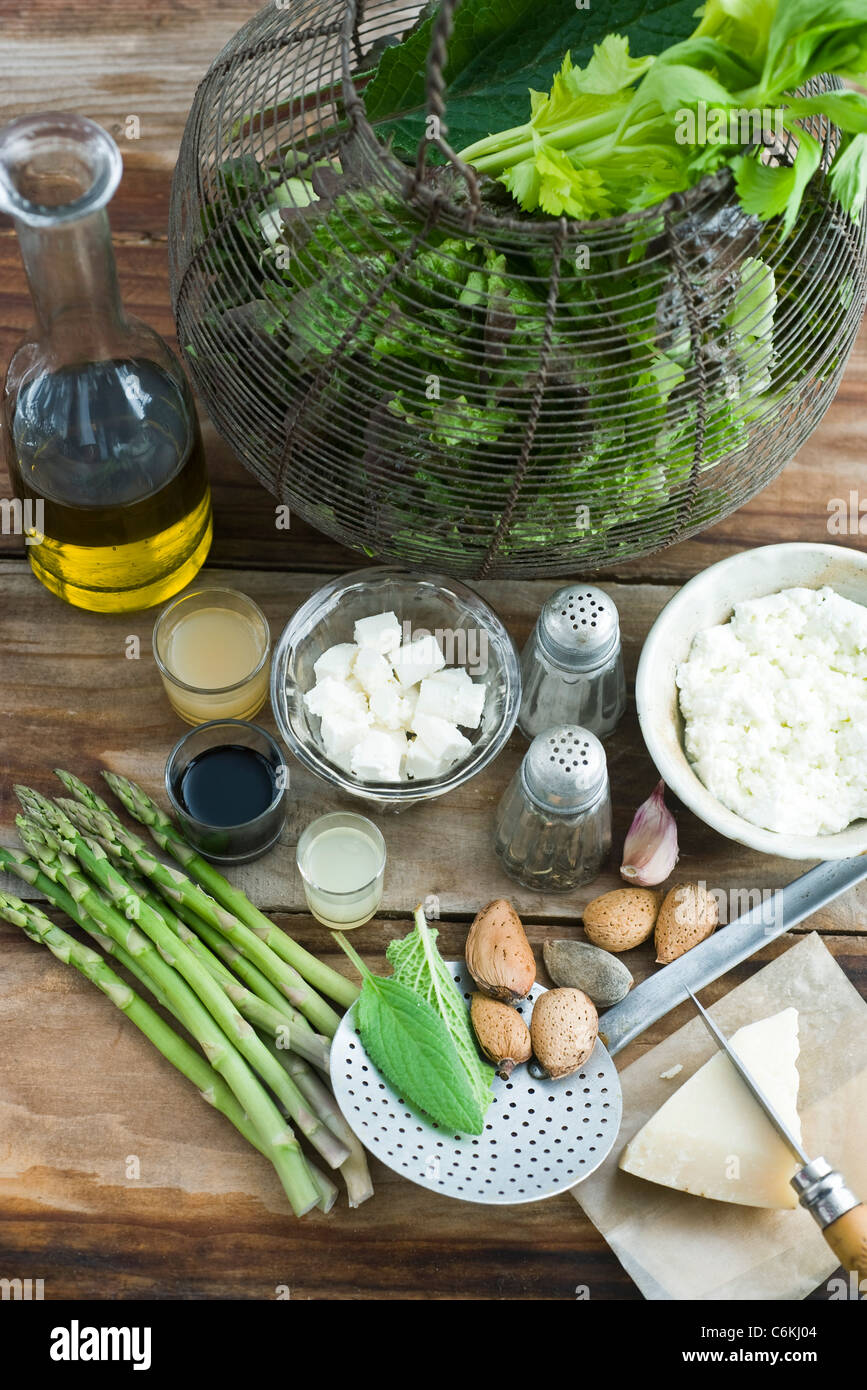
[410,1044]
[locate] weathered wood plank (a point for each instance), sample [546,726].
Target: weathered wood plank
[206,1218]
[71,697]
[114,62]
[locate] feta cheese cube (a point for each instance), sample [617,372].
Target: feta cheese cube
[341,731]
[453,675]
[378,756]
[390,709]
[332,696]
[421,762]
[335,662]
[410,698]
[415,660]
[441,738]
[371,670]
[380,633]
[458,701]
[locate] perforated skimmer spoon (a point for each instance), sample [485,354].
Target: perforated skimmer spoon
[540,1137]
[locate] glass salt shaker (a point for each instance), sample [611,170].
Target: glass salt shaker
[553,824]
[572,665]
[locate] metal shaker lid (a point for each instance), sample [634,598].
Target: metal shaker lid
[564,769]
[579,627]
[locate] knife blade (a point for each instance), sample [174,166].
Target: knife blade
[752,1084]
[728,946]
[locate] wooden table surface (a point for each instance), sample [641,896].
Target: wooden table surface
[81,1093]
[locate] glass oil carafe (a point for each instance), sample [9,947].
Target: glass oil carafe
[99,425]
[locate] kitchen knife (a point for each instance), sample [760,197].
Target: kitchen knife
[728,946]
[821,1190]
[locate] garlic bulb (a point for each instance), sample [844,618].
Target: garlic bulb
[650,852]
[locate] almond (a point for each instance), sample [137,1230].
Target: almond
[622,918]
[502,1034]
[688,915]
[564,1027]
[578,965]
[499,956]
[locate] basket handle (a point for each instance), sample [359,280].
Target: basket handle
[435,103]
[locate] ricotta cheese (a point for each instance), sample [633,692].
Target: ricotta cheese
[775,711]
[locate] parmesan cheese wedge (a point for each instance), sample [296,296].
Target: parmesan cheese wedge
[711,1138]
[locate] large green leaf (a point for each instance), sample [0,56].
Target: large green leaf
[502,48]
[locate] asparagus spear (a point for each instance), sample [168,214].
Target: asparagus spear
[179,889]
[275,1136]
[249,973]
[27,869]
[354,1170]
[276,1023]
[33,921]
[87,799]
[60,834]
[283,1022]
[169,839]
[238,963]
[283,1043]
[209,1083]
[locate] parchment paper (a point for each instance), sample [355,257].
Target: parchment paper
[676,1246]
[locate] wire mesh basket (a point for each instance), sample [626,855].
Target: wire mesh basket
[429,376]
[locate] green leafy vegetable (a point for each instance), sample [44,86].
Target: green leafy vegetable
[431,344]
[415,1048]
[499,49]
[419,965]
[612,135]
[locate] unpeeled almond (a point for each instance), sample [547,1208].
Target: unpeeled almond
[502,1034]
[564,1027]
[499,956]
[621,919]
[688,915]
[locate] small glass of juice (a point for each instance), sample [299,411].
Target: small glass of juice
[226,781]
[211,647]
[341,859]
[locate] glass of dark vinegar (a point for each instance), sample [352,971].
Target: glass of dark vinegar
[226,781]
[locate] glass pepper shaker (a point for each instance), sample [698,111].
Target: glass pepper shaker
[553,824]
[97,423]
[572,665]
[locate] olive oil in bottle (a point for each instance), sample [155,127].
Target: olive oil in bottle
[113,453]
[98,422]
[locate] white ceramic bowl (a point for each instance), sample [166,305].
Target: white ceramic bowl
[704,601]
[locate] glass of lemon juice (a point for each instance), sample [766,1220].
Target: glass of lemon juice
[341,859]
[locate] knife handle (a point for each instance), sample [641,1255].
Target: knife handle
[847,1237]
[842,1218]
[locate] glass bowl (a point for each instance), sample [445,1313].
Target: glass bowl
[470,634]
